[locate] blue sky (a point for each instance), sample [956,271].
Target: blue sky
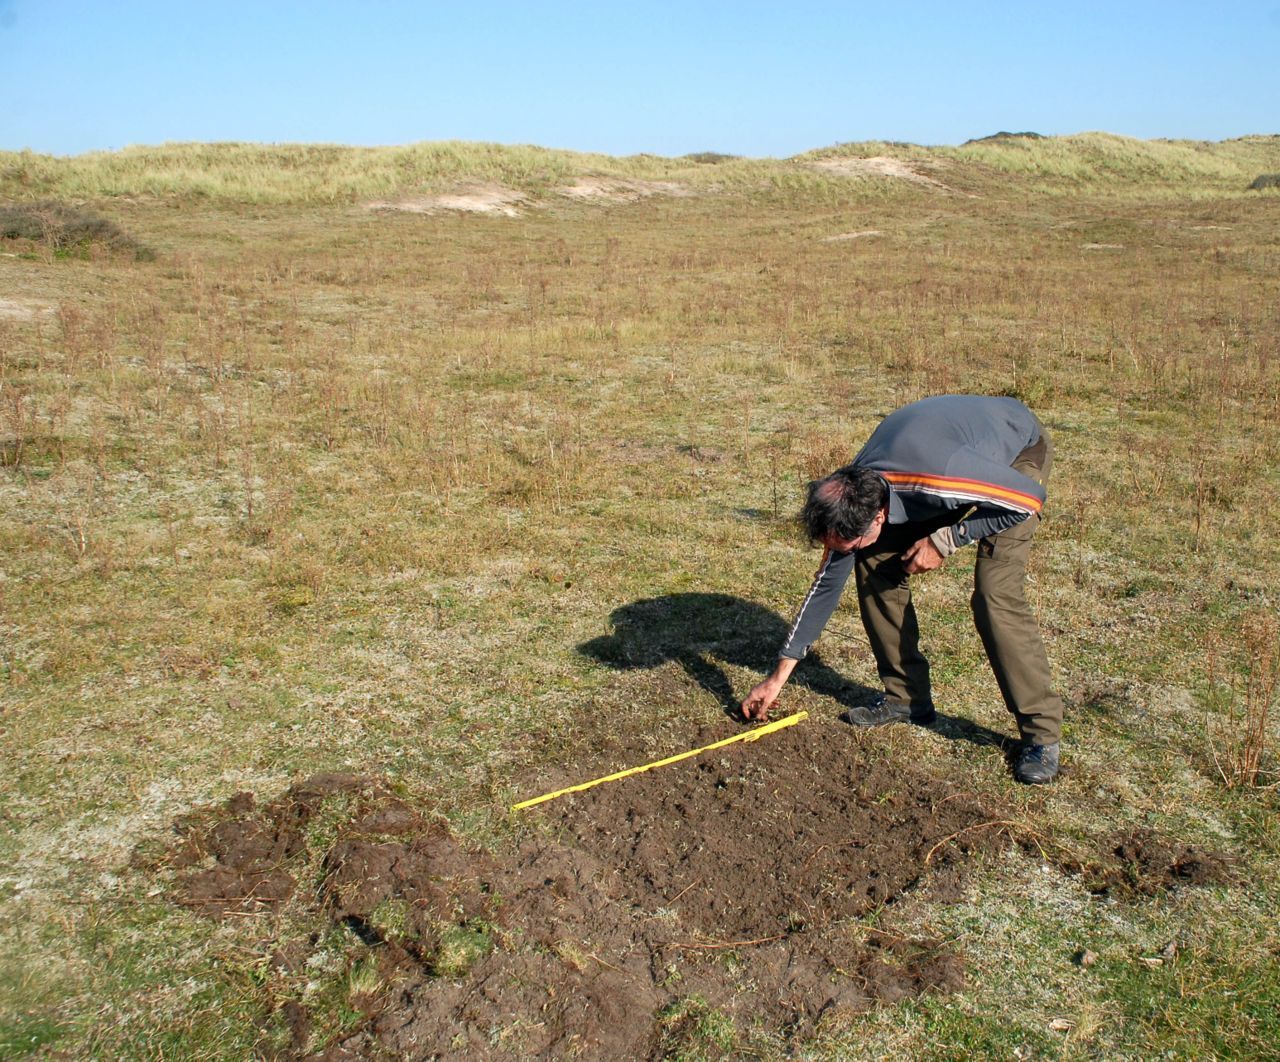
[670,78]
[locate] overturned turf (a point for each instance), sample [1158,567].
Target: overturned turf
[1139,862]
[709,906]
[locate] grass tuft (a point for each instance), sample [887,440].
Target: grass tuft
[461,947]
[692,1030]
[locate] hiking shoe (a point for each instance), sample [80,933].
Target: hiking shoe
[1037,764]
[885,709]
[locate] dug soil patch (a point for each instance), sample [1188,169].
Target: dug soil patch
[701,907]
[1141,863]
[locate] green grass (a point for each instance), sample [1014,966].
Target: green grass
[461,947]
[691,1030]
[324,489]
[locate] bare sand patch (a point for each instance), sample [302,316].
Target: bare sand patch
[23,309]
[864,234]
[475,199]
[620,190]
[879,166]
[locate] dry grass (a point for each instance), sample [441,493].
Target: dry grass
[1241,732]
[324,488]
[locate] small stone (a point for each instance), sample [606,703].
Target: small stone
[1062,1025]
[1086,958]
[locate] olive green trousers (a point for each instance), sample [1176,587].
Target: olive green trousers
[1005,622]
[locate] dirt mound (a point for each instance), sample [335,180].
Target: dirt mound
[236,857]
[684,910]
[1141,863]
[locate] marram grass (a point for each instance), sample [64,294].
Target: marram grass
[325,173]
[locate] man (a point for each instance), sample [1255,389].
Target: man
[935,476]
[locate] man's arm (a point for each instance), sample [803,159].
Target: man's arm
[815,611]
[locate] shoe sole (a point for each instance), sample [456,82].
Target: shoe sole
[1035,781]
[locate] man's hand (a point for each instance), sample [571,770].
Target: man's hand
[922,557]
[761,699]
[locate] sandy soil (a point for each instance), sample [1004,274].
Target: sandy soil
[864,234]
[880,166]
[23,309]
[617,190]
[477,199]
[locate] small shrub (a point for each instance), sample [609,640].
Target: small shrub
[1002,135]
[69,231]
[1265,180]
[710,158]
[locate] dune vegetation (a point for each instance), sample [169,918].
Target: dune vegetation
[355,473]
[326,173]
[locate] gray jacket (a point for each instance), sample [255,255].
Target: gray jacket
[946,461]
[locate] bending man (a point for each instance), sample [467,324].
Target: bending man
[935,476]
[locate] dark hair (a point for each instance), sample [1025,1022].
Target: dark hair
[843,503]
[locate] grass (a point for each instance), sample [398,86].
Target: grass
[461,947]
[306,173]
[326,489]
[237,173]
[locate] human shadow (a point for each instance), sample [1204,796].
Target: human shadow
[954,728]
[701,631]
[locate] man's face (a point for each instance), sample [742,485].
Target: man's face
[848,545]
